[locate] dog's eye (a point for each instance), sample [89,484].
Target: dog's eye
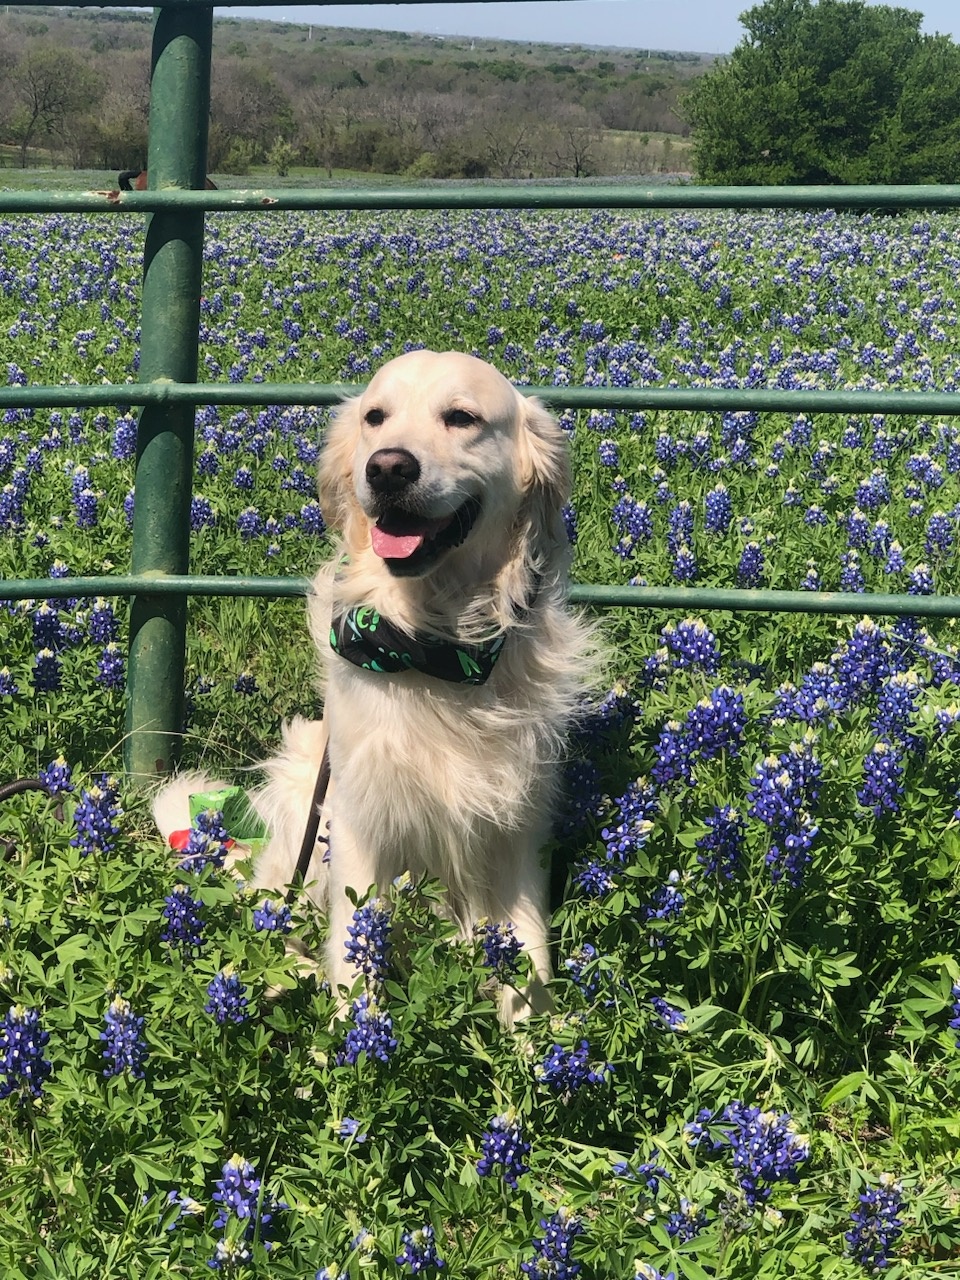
[459,418]
[374,417]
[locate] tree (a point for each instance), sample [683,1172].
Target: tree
[51,85]
[832,92]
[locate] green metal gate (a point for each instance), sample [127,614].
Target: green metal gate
[159,581]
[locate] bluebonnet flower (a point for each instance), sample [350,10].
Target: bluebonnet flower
[851,575]
[226,998]
[420,1251]
[674,1018]
[920,582]
[939,537]
[47,627]
[237,1192]
[246,683]
[47,672]
[811,579]
[718,510]
[686,1222]
[722,846]
[184,923]
[649,1172]
[372,1033]
[503,1148]
[249,523]
[102,623]
[207,844]
[23,1068]
[125,1047]
[368,944]
[202,514]
[882,779]
[501,949]
[858,529]
[684,564]
[716,724]
[666,901]
[577,965]
[269,917]
[896,561]
[647,1271]
[634,521]
[56,777]
[95,818]
[680,527]
[750,569]
[111,669]
[553,1252]
[766,1149]
[897,706]
[567,1070]
[954,1023]
[692,644]
[230,1255]
[608,453]
[8,686]
[349,1130]
[877,1224]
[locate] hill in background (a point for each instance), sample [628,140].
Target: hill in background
[75,82]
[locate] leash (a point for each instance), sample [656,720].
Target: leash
[313,825]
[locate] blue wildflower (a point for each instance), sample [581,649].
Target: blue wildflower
[501,949]
[184,923]
[877,1224]
[568,1070]
[371,1034]
[23,1068]
[226,998]
[95,818]
[553,1252]
[503,1147]
[125,1047]
[368,943]
[420,1251]
[270,917]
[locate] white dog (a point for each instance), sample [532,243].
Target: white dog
[450,665]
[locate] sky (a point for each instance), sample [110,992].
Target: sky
[694,26]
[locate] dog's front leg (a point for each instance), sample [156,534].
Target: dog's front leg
[351,867]
[520,898]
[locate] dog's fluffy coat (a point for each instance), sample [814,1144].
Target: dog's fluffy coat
[453,780]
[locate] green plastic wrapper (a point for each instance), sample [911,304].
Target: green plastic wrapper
[241,820]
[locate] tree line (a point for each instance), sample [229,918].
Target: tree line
[78,82]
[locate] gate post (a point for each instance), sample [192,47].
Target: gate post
[172,273]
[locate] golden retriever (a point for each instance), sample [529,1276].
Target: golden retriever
[449,662]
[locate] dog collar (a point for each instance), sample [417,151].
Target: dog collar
[369,641]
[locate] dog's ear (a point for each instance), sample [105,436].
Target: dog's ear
[335,472]
[545,476]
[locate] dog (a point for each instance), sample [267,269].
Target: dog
[449,662]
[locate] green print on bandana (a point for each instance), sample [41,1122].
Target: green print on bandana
[363,637]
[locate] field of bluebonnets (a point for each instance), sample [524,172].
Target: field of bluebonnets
[753,1068]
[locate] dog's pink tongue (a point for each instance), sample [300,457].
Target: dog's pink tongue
[395,546]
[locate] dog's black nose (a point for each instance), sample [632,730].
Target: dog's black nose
[392,470]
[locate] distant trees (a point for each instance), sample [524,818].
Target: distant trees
[832,92]
[51,89]
[77,84]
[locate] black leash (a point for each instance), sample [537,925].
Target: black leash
[313,825]
[21,785]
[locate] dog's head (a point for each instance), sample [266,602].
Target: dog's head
[441,457]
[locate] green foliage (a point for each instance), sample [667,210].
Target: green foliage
[837,91]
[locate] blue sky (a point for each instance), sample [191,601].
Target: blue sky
[701,26]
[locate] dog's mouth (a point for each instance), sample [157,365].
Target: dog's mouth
[408,543]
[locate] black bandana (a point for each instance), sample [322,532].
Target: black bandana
[364,638]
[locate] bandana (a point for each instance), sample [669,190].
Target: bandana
[367,640]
